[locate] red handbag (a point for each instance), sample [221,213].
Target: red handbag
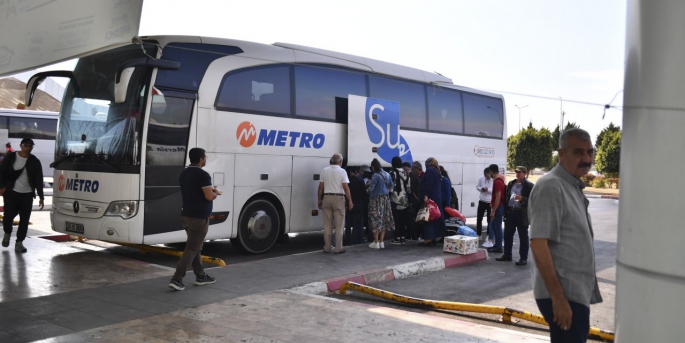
[433,210]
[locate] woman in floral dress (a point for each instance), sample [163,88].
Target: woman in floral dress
[380,212]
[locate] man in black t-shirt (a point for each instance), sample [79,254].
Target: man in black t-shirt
[197,193]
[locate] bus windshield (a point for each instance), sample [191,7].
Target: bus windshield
[91,124]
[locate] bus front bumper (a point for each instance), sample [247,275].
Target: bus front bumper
[114,229]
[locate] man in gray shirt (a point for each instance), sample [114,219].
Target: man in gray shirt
[564,277]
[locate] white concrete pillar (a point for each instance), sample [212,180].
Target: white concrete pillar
[650,285]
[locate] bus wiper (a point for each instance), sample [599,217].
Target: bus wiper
[89,155]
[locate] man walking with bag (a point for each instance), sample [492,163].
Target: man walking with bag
[198,194]
[21,177]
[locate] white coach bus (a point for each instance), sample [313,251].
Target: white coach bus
[40,126]
[269,117]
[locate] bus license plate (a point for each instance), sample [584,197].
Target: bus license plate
[75,228]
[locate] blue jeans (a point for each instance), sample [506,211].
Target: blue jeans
[496,226]
[580,322]
[491,233]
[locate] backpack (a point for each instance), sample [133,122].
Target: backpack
[455,200]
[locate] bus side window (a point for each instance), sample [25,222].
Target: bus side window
[257,90]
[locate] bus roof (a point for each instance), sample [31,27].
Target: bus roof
[259,50]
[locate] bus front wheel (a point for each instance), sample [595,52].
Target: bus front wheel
[258,227]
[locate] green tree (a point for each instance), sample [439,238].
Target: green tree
[529,148]
[556,133]
[600,136]
[555,138]
[554,141]
[608,160]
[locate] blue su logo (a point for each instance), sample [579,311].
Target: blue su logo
[383,127]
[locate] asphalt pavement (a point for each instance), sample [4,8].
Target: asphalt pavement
[504,284]
[75,292]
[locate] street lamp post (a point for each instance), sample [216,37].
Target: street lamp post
[520,107]
[561,112]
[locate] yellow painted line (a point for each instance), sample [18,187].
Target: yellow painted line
[168,251]
[505,312]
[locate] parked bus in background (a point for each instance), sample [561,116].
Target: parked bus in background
[41,126]
[269,116]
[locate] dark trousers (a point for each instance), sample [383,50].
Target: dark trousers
[354,227]
[401,218]
[515,223]
[483,208]
[413,228]
[21,204]
[196,228]
[580,324]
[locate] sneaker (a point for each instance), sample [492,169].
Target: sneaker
[396,241]
[381,245]
[420,240]
[6,240]
[19,247]
[374,245]
[204,280]
[177,285]
[488,244]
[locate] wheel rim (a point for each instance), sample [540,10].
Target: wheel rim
[259,226]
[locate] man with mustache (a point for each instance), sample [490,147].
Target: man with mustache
[564,276]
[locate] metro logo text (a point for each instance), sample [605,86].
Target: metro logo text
[78,185]
[247,133]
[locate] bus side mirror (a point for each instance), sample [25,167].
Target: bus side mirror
[37,79]
[121,85]
[125,71]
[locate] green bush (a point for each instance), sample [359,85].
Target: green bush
[599,183]
[587,179]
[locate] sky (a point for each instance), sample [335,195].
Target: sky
[556,52]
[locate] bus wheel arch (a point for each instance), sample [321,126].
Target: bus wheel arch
[260,223]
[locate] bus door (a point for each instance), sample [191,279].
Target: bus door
[166,148]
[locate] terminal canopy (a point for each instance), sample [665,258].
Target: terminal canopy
[43,32]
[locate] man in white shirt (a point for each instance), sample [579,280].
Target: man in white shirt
[333,189]
[484,188]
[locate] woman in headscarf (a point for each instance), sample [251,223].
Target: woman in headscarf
[430,187]
[380,213]
[446,190]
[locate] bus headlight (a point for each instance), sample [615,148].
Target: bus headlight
[125,209]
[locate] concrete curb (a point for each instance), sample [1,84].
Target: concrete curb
[598,196]
[391,273]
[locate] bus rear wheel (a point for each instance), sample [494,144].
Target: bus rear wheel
[258,227]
